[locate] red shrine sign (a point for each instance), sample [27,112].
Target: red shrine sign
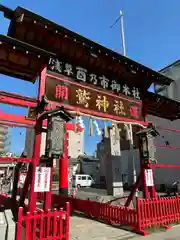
[102,103]
[80,91]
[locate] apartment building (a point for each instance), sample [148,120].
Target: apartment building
[3,137]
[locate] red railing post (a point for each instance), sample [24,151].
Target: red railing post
[140,226]
[55,223]
[34,226]
[41,225]
[28,226]
[67,221]
[177,207]
[19,223]
[48,220]
[60,226]
[138,214]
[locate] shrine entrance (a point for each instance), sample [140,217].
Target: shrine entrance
[78,78]
[89,80]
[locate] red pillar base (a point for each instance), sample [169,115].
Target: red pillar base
[63,191]
[63,176]
[63,169]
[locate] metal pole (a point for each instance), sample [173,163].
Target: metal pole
[130,125]
[130,132]
[132,152]
[122,33]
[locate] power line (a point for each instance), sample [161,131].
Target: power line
[117,20]
[120,18]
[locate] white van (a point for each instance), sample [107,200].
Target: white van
[82,180]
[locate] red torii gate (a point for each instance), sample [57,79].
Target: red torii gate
[58,42]
[16,57]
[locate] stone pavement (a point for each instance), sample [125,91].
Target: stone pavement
[83,228]
[173,234]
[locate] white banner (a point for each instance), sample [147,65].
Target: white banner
[22,178]
[149,177]
[42,179]
[115,143]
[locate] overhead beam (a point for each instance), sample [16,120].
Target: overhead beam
[17,100]
[7,124]
[7,117]
[15,159]
[158,165]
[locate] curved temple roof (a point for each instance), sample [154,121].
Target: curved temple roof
[21,60]
[156,104]
[21,15]
[161,106]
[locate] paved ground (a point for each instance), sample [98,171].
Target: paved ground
[82,228]
[94,194]
[173,234]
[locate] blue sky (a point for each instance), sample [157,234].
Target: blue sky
[151,33]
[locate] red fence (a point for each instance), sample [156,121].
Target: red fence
[100,211]
[55,225]
[158,212]
[43,225]
[148,213]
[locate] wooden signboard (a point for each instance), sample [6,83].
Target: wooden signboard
[87,77]
[98,102]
